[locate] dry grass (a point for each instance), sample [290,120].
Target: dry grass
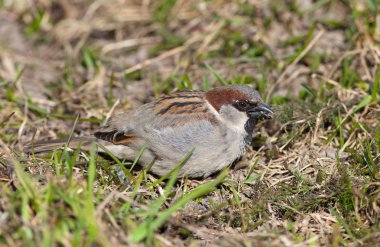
[311,177]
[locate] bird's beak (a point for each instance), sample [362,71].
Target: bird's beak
[261,110]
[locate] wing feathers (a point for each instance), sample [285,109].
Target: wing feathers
[116,137]
[45,146]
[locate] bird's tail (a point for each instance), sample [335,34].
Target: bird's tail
[46,146]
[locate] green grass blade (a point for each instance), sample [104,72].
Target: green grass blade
[137,158]
[175,169]
[141,232]
[72,130]
[375,88]
[118,162]
[217,75]
[343,223]
[195,193]
[91,172]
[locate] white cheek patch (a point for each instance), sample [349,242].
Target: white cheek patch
[230,116]
[233,117]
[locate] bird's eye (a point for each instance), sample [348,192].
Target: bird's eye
[241,104]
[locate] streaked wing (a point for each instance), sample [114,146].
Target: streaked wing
[116,137]
[179,109]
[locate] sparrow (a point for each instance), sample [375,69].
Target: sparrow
[216,125]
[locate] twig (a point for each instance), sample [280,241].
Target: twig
[163,56]
[129,43]
[336,65]
[300,56]
[335,83]
[109,114]
[209,38]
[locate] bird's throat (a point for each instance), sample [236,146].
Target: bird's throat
[249,127]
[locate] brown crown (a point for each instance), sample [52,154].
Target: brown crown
[222,96]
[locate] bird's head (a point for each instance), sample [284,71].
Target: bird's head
[238,104]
